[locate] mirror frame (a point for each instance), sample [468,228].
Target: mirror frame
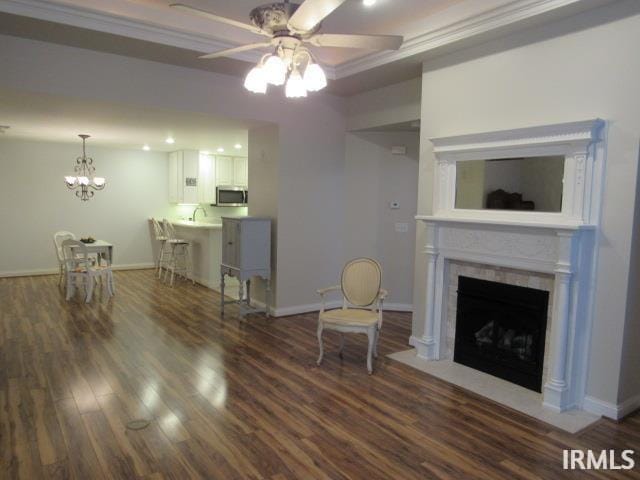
[580,144]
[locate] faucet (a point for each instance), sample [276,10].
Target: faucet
[199,207]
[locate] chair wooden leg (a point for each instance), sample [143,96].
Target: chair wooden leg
[70,287]
[375,344]
[371,334]
[340,354]
[110,284]
[320,343]
[89,287]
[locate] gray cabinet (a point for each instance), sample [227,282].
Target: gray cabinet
[246,253]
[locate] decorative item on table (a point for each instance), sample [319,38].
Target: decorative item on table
[88,240]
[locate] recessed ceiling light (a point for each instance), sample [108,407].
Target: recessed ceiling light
[220,150]
[146,148]
[170,140]
[237,146]
[368,3]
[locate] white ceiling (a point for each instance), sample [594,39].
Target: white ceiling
[386,17]
[151,30]
[61,119]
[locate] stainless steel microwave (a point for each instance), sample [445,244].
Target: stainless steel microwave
[232,196]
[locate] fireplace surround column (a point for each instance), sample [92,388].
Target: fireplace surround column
[426,347]
[556,390]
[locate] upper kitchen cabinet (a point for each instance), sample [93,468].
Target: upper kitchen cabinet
[207,179]
[240,171]
[184,169]
[224,171]
[231,171]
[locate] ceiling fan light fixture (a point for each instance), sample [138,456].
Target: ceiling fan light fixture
[256,80]
[314,78]
[295,86]
[275,70]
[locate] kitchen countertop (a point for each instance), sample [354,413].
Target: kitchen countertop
[190,224]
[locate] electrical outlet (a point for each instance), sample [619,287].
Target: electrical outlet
[402,227]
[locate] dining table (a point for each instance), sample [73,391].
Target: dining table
[102,248]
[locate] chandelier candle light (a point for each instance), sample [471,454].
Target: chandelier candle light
[83,182]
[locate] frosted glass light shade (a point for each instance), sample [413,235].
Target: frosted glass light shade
[275,70]
[69,180]
[83,180]
[99,181]
[256,81]
[314,78]
[295,86]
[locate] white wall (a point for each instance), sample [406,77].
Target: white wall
[389,105]
[35,203]
[311,139]
[581,68]
[374,178]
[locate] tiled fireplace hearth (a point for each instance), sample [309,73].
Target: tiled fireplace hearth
[552,253]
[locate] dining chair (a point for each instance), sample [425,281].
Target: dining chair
[179,261]
[58,238]
[362,304]
[79,266]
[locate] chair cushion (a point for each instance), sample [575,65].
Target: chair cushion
[350,316]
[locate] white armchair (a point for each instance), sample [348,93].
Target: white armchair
[362,305]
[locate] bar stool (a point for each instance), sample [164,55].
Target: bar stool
[162,238]
[179,261]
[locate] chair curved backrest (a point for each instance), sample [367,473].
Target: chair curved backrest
[75,255]
[158,230]
[361,281]
[169,231]
[60,237]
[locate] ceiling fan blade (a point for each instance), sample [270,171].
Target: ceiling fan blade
[311,13]
[217,18]
[230,51]
[371,42]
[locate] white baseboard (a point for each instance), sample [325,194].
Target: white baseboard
[413,340]
[611,410]
[54,271]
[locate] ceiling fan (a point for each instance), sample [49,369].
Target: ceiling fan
[289,28]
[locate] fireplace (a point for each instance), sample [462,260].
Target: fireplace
[500,330]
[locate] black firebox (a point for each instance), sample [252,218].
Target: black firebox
[500,330]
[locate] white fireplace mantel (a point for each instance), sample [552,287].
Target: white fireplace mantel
[562,244]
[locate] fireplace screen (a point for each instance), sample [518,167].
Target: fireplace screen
[500,330]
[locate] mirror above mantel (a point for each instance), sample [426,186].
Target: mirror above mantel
[532,184]
[549,174]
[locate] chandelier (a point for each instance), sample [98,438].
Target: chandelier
[293,67]
[83,182]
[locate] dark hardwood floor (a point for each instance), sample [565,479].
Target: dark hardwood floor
[242,399]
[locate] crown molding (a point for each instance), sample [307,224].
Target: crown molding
[108,23]
[500,17]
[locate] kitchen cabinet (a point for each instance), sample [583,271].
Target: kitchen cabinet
[194,176]
[184,168]
[240,171]
[231,171]
[207,179]
[224,171]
